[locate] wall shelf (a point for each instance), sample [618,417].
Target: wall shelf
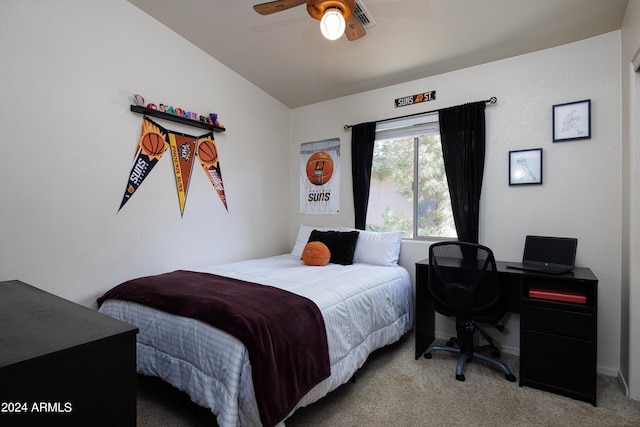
[174,118]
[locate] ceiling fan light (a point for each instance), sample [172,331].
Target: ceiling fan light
[332,23]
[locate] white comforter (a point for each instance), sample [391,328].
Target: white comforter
[364,307]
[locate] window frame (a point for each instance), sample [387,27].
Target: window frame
[406,127]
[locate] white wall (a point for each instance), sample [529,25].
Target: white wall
[580,196]
[67,70]
[630,298]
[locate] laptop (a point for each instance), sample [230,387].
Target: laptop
[553,255]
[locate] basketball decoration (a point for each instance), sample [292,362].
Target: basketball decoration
[207,152]
[319,168]
[153,144]
[154,141]
[316,253]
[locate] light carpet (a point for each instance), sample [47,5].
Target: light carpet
[394,389]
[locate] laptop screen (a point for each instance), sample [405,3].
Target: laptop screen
[550,250]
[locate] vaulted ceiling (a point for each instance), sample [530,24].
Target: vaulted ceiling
[285,54]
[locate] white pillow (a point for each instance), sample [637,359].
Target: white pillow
[377,248]
[304,231]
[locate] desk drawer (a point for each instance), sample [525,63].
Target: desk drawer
[557,321]
[563,365]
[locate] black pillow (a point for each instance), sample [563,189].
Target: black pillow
[341,244]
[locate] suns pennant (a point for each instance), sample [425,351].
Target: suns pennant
[153,143]
[208,156]
[183,150]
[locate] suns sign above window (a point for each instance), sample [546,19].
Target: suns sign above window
[415,99]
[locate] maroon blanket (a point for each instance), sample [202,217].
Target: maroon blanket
[284,333]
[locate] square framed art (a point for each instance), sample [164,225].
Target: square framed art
[525,167]
[572,121]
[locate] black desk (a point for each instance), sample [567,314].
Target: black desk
[558,340]
[62,363]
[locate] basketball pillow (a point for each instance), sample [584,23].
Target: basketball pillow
[316,253]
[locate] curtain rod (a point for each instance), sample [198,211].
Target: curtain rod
[491,100]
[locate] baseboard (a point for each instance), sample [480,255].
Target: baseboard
[623,384]
[605,370]
[514,351]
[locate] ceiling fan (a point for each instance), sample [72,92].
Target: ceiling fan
[336,16]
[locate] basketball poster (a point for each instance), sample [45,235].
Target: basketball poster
[183,150]
[320,177]
[208,156]
[151,146]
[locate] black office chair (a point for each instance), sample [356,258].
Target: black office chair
[464,283]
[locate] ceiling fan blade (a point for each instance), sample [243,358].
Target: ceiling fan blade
[276,6]
[354,29]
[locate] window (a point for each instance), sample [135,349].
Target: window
[408,152]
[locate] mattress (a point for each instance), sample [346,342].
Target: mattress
[364,307]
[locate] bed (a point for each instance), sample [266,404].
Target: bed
[364,306]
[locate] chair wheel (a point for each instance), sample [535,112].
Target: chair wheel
[427,355]
[510,377]
[461,377]
[495,353]
[450,343]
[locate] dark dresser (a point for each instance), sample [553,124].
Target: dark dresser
[558,339]
[62,363]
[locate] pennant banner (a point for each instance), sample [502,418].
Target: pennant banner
[208,156]
[151,146]
[183,149]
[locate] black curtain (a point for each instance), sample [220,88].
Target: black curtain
[462,134]
[362,140]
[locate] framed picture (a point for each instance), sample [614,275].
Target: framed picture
[525,167]
[572,121]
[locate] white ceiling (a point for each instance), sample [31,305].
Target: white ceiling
[285,54]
